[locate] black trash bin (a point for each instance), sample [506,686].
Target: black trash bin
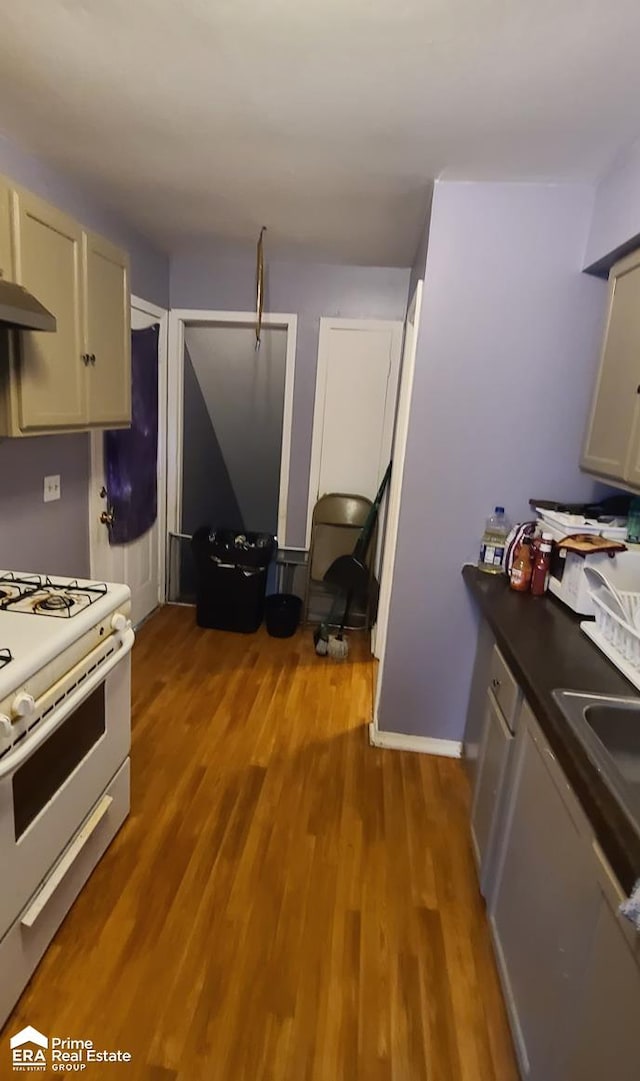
[231,573]
[283,614]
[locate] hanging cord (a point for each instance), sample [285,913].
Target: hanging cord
[259,285]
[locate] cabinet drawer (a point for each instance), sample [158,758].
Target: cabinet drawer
[505,689]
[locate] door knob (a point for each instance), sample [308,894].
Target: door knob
[107,517]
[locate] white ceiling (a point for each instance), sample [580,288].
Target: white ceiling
[324,119]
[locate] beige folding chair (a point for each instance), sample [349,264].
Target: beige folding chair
[336,522]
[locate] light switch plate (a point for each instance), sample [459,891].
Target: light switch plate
[51,488]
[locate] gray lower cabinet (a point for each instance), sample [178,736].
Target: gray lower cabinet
[476,710]
[544,901]
[604,1034]
[493,713]
[569,963]
[494,753]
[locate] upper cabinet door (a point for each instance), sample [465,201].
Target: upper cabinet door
[6,253]
[107,331]
[48,261]
[616,397]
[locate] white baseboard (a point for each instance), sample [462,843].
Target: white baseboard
[396,741]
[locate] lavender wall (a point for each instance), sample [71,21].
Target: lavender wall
[508,345]
[37,536]
[222,278]
[615,223]
[53,537]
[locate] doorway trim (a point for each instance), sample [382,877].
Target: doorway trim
[178,318]
[405,398]
[162,315]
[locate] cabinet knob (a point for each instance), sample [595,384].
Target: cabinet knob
[638,389]
[495,683]
[86,359]
[93,358]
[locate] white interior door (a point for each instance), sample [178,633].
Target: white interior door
[138,564]
[356,390]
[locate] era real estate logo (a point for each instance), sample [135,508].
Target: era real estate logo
[32,1052]
[28,1049]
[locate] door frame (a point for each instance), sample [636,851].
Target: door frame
[394,492]
[162,315]
[178,317]
[327,324]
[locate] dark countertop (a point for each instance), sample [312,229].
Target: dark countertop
[542,642]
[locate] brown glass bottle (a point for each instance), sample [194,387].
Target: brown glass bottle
[522,568]
[541,563]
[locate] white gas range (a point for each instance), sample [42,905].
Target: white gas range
[65,735]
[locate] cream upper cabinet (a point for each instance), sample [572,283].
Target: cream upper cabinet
[6,253]
[107,331]
[48,251]
[612,444]
[79,376]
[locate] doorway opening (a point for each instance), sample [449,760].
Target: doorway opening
[229,415]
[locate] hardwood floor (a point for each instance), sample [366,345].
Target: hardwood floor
[285,902]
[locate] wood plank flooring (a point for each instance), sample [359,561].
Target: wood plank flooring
[285,902]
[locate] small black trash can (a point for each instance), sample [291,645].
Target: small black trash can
[283,614]
[231,572]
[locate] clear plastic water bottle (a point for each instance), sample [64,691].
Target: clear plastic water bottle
[493,542]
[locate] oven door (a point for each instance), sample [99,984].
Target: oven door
[50,781]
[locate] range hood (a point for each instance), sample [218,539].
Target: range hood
[18,308]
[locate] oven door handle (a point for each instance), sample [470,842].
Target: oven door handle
[64,864]
[20,753]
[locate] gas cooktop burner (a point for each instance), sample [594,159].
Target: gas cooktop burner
[55,602]
[39,595]
[5,657]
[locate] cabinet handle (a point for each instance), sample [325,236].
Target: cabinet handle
[93,358]
[86,359]
[638,389]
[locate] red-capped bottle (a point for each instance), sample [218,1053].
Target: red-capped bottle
[541,564]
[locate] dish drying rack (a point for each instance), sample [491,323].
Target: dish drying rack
[618,639]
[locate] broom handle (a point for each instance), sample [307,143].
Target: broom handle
[345,616]
[362,543]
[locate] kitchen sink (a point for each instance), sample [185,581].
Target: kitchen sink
[609,730]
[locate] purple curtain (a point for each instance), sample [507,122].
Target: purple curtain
[131,453]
